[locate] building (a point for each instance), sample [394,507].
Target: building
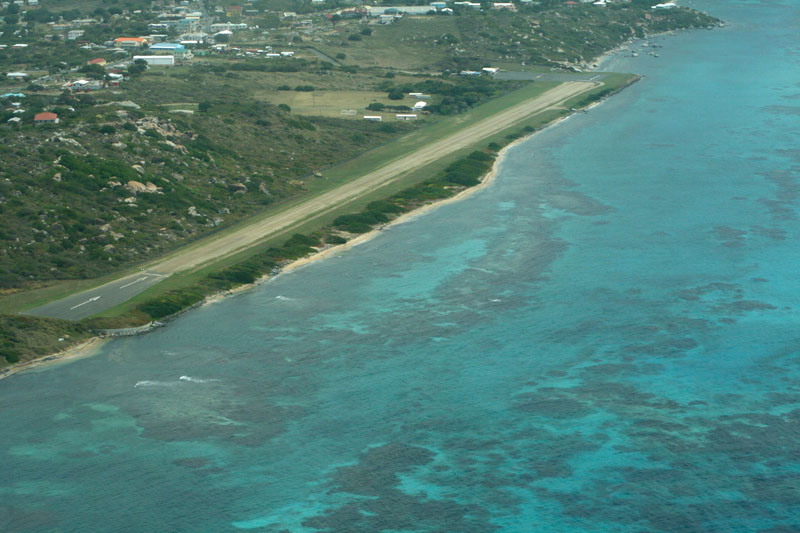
[233,11]
[73,35]
[162,61]
[83,85]
[406,117]
[419,106]
[97,61]
[373,118]
[188,24]
[45,118]
[129,42]
[176,49]
[17,76]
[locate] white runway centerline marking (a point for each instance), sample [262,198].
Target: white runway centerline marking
[132,282]
[84,303]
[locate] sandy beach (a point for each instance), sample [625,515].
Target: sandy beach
[83,349]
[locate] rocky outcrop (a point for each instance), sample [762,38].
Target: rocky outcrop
[237,188]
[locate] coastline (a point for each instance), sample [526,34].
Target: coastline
[77,351]
[89,347]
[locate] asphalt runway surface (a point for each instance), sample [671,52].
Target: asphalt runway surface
[93,301]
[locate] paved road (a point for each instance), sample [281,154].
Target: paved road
[99,299]
[216,247]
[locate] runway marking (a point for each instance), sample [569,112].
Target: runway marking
[84,303]
[132,282]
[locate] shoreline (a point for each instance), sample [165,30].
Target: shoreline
[89,347]
[77,351]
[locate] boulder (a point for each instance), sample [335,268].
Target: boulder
[237,188]
[138,168]
[136,187]
[262,187]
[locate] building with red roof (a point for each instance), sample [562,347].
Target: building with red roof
[45,118]
[129,42]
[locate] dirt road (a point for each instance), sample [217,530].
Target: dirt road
[222,246]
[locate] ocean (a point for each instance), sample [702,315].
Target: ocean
[605,340]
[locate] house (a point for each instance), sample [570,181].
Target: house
[469,73]
[45,118]
[233,11]
[438,5]
[490,70]
[372,118]
[504,5]
[73,35]
[129,42]
[668,5]
[97,61]
[14,121]
[17,76]
[406,117]
[83,85]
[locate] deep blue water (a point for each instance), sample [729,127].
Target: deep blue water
[606,339]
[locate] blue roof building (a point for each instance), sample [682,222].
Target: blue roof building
[176,49]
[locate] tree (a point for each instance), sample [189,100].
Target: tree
[203,107]
[95,71]
[396,94]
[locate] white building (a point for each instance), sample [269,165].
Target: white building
[164,61]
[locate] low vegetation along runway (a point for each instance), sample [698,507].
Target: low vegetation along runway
[214,248]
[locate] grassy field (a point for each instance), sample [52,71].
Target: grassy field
[333,103]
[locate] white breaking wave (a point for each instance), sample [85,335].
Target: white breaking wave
[196,380]
[147,383]
[184,379]
[285,298]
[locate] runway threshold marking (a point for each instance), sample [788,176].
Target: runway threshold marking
[84,303]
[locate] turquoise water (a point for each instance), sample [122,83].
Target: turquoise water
[603,340]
